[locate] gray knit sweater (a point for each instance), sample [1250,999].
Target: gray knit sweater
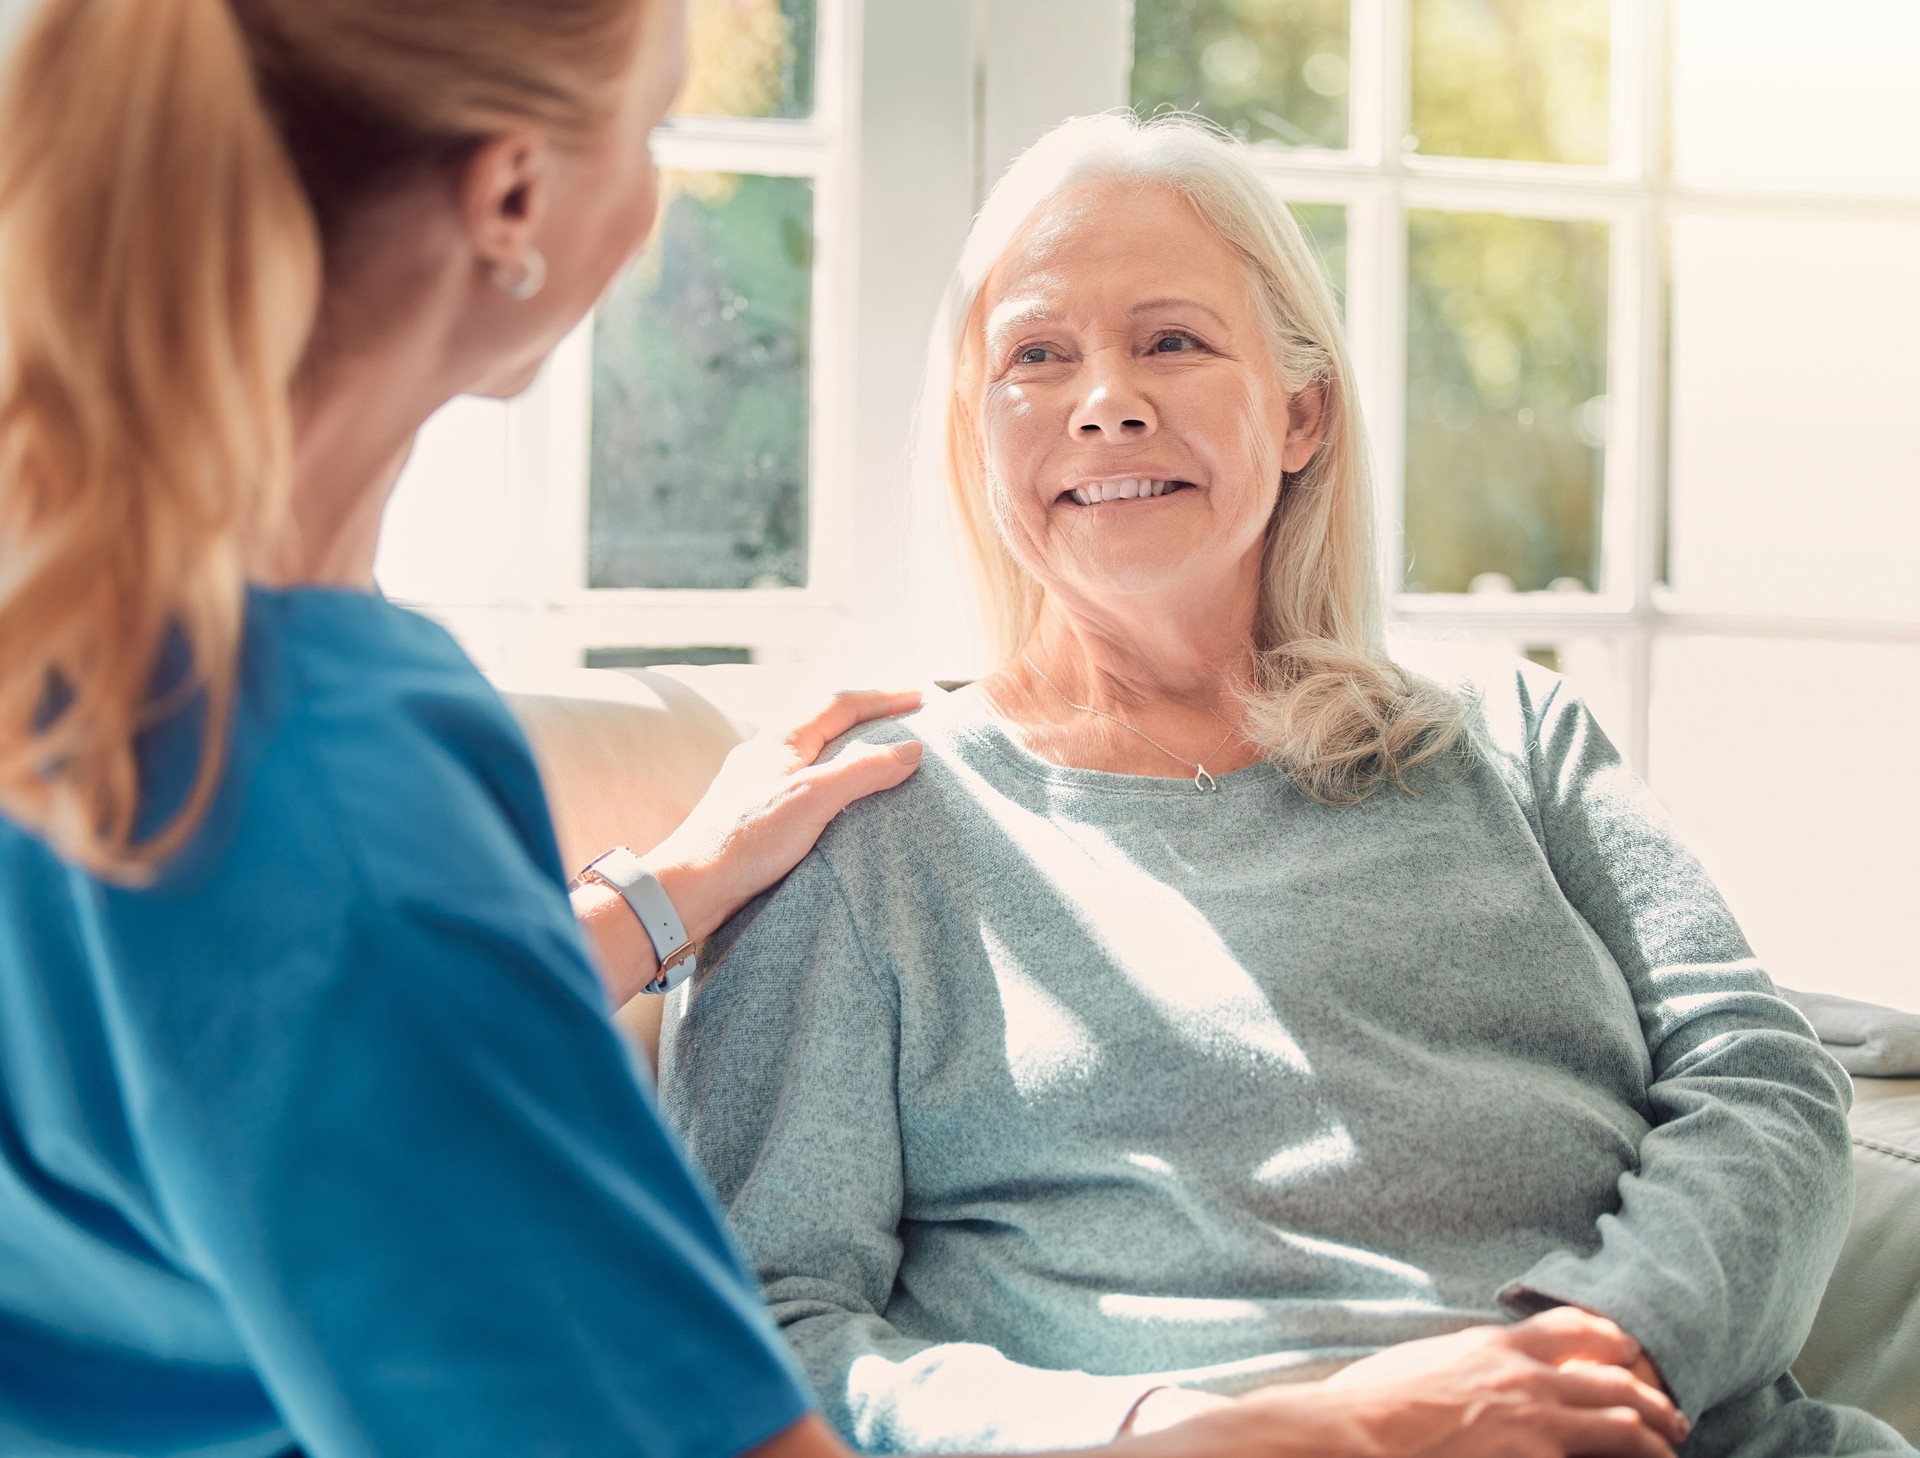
[1032,1080]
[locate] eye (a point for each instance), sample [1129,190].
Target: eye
[1032,354]
[1176,344]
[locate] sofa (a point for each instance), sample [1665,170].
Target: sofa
[626,753]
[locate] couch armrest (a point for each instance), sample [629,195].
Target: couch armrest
[624,756]
[1865,1345]
[624,765]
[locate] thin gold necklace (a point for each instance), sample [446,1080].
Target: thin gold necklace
[1203,779]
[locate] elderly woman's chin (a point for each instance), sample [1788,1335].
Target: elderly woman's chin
[1171,546]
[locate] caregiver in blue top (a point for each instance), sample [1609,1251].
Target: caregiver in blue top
[312,1128]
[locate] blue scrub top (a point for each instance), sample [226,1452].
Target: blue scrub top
[325,1139]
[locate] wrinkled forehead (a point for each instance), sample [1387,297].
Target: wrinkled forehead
[1102,250]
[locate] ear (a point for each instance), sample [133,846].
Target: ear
[503,188]
[1306,426]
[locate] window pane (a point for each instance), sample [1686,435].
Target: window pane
[700,393]
[1506,410]
[1269,70]
[1595,667]
[1745,736]
[749,58]
[448,535]
[1325,225]
[1795,483]
[1527,83]
[1779,95]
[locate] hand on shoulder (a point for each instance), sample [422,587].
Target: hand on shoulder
[771,801]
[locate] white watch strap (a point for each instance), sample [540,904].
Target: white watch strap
[620,868]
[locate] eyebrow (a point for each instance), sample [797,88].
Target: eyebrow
[1154,306]
[1031,311]
[1037,311]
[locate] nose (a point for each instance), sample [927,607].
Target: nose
[1113,407]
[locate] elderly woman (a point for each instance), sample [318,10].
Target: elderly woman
[1221,1004]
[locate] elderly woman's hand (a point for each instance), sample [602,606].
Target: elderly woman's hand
[1562,1382]
[1555,1385]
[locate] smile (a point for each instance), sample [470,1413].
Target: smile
[1133,488]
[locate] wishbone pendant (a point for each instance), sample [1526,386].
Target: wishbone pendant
[1205,783]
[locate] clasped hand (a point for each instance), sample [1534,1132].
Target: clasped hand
[1563,1384]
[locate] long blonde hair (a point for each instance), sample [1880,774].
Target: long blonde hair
[1328,703]
[173,174]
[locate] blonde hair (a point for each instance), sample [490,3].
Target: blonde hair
[173,175]
[1328,703]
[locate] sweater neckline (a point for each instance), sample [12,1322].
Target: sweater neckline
[989,734]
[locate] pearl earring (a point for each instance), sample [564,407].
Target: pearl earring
[532,279]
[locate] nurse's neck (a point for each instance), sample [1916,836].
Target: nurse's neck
[380,362]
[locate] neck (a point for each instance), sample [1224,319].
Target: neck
[377,367]
[1171,675]
[1139,657]
[352,435]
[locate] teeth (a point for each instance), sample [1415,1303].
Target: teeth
[1127,490]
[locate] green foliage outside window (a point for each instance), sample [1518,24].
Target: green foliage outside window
[749,58]
[1267,70]
[1325,225]
[1506,415]
[1506,316]
[700,395]
[1521,80]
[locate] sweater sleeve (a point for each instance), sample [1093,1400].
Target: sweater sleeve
[779,1068]
[1725,1233]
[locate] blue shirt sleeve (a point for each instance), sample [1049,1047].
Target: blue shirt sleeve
[407,1149]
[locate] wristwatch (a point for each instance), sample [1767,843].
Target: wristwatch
[620,868]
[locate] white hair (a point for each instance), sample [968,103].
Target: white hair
[1328,704]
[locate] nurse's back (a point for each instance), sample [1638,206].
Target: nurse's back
[313,1131]
[281,1146]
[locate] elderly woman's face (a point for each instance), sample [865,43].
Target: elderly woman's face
[1135,427]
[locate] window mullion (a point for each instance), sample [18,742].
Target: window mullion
[1650,61]
[1371,109]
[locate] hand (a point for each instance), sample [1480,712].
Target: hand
[1553,1386]
[1642,1367]
[769,803]
[1558,1383]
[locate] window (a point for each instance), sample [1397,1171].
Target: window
[1631,333]
[672,477]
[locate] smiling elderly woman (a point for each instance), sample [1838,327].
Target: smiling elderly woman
[1222,1005]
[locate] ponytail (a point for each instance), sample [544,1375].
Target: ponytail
[159,272]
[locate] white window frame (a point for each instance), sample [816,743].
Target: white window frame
[1378,183]
[919,104]
[547,616]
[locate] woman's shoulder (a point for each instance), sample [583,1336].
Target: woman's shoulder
[377,826]
[1509,698]
[954,774]
[364,732]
